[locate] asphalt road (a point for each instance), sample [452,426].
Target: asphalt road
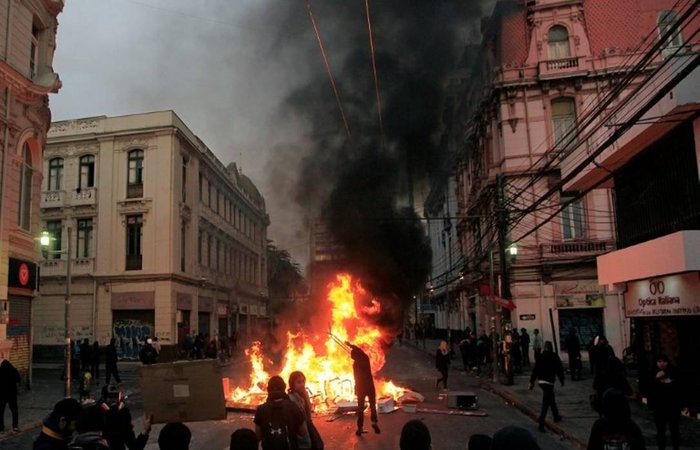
[406,366]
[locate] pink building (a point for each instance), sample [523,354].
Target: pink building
[551,73]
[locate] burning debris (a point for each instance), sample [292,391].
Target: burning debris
[323,356]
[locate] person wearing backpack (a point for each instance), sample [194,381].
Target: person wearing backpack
[279,422]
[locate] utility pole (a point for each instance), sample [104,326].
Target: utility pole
[66,318]
[502,214]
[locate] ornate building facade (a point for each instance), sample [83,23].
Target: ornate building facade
[27,44]
[165,240]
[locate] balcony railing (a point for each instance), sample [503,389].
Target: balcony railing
[52,199]
[561,64]
[576,248]
[85,196]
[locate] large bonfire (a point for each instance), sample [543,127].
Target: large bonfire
[320,353]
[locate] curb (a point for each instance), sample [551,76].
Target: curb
[22,429]
[510,399]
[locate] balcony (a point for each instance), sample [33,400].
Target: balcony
[52,199]
[57,267]
[84,196]
[575,249]
[560,68]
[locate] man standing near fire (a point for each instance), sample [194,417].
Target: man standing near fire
[364,387]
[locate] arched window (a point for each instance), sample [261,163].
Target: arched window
[134,188]
[668,23]
[55,174]
[563,122]
[87,172]
[558,43]
[25,189]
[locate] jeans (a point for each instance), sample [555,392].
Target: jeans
[548,401]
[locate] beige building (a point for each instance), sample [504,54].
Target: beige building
[27,44]
[165,240]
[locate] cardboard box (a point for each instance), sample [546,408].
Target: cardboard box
[184,391]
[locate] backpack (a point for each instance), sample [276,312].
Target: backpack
[276,431]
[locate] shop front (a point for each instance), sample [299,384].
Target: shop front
[17,312]
[580,306]
[204,312]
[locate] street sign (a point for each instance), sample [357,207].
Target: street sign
[527,317]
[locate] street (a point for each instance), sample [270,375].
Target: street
[405,365]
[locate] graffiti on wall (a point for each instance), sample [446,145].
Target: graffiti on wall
[131,335]
[55,335]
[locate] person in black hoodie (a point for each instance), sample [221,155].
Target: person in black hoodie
[615,429]
[58,427]
[118,427]
[9,380]
[548,367]
[90,425]
[442,363]
[111,362]
[666,400]
[279,421]
[364,387]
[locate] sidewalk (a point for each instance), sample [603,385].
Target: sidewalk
[573,402]
[47,389]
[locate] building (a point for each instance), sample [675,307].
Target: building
[547,67]
[165,240]
[28,32]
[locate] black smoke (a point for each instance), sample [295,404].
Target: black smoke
[363,186]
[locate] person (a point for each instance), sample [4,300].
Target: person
[174,436]
[514,438]
[111,362]
[90,425]
[615,429]
[299,396]
[600,353]
[666,401]
[58,427]
[465,346]
[278,421]
[156,346]
[525,347]
[414,436]
[148,354]
[210,351]
[613,377]
[9,381]
[118,429]
[442,363]
[573,348]
[364,388]
[479,442]
[547,367]
[515,348]
[187,346]
[95,360]
[243,439]
[536,343]
[85,357]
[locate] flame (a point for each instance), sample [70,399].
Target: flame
[327,364]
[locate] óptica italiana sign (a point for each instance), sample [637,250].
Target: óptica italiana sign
[672,295]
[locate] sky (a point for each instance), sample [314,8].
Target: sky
[247,77]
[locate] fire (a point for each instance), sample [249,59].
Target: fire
[324,360]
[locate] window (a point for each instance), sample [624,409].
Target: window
[558,43]
[572,219]
[563,122]
[201,186]
[86,177]
[183,245]
[55,230]
[25,189]
[668,23]
[134,225]
[134,187]
[184,180]
[84,238]
[34,51]
[210,251]
[56,174]
[199,247]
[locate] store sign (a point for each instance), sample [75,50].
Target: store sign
[133,300]
[527,317]
[579,294]
[673,295]
[22,274]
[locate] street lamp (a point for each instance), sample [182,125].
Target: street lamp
[45,241]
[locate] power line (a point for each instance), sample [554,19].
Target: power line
[374,72]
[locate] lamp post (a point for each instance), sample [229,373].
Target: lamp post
[45,242]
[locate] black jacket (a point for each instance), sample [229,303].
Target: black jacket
[9,378]
[362,371]
[442,360]
[547,368]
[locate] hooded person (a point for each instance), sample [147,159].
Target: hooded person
[119,429]
[58,427]
[616,428]
[415,436]
[513,438]
[90,426]
[364,388]
[279,422]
